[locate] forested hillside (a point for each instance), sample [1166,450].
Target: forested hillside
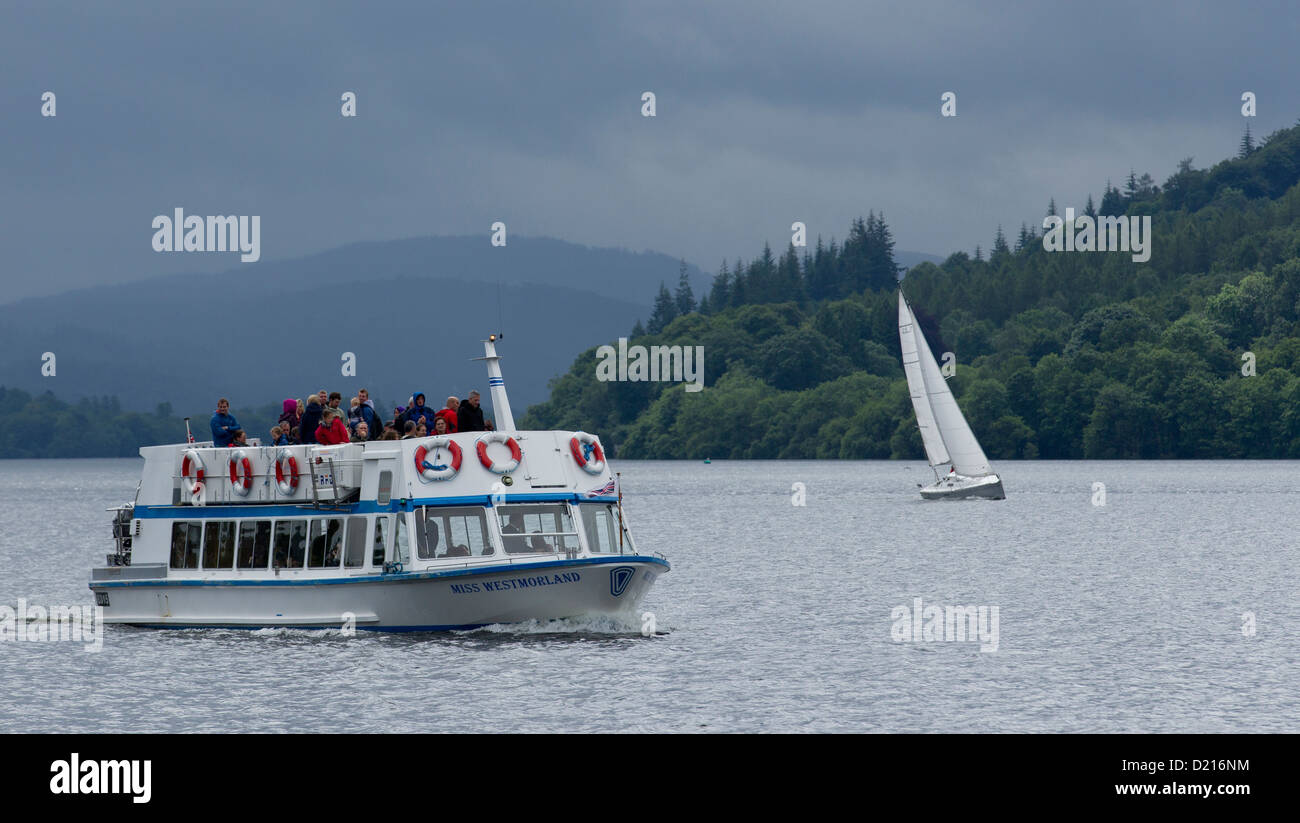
[1059,354]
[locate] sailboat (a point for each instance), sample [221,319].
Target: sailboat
[944,431]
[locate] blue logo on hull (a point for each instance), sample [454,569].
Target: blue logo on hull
[619,579]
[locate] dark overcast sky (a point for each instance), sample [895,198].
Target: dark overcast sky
[530,113]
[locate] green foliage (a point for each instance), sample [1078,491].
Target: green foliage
[1060,356]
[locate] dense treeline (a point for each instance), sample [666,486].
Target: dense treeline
[1060,355]
[45,426]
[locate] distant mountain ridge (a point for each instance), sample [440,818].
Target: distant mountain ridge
[412,311]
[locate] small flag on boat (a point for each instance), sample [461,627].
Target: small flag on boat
[603,491]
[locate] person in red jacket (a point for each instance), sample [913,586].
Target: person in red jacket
[450,413]
[332,432]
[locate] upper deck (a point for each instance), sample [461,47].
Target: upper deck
[452,470]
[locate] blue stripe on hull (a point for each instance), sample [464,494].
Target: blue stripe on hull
[391,578]
[264,510]
[311,628]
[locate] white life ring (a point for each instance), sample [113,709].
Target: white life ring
[580,444]
[241,472]
[491,465]
[192,460]
[286,472]
[432,472]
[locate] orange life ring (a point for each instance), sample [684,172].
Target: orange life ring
[432,472]
[286,481]
[596,465]
[239,464]
[192,460]
[491,465]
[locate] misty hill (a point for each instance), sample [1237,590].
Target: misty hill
[413,311]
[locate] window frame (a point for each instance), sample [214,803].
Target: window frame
[349,528]
[255,526]
[559,547]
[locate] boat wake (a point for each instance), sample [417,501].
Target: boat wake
[594,625]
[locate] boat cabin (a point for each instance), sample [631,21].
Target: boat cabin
[380,507]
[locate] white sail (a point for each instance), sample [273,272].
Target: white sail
[963,449]
[908,337]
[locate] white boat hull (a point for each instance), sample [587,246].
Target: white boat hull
[959,487]
[434,600]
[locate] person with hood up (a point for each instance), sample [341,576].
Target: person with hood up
[419,411]
[289,419]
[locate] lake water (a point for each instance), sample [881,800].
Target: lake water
[1173,607]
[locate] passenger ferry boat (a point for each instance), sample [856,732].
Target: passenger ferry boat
[441,532]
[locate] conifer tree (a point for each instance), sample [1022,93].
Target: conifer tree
[1024,238]
[1000,243]
[883,275]
[1112,202]
[665,310]
[789,281]
[1247,144]
[720,293]
[740,289]
[684,297]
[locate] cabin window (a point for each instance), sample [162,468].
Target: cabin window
[385,487]
[382,530]
[185,545]
[354,557]
[451,532]
[254,543]
[290,543]
[326,543]
[601,524]
[536,528]
[219,544]
[402,549]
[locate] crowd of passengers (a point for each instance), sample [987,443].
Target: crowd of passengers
[322,420]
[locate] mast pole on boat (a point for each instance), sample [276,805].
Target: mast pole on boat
[500,402]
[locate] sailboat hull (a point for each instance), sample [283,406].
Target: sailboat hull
[959,487]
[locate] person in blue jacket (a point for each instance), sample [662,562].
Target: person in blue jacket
[419,410]
[368,414]
[224,424]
